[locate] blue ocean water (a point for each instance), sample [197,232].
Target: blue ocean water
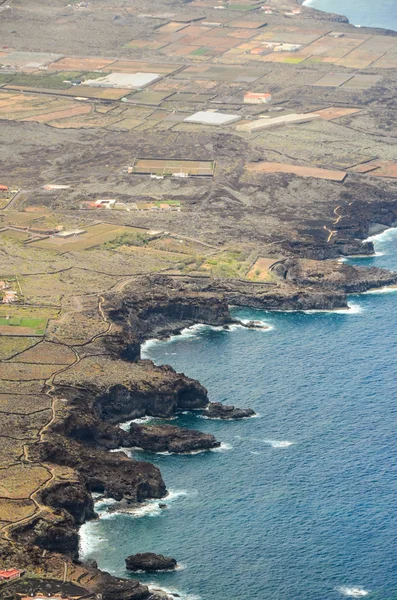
[300,503]
[382,13]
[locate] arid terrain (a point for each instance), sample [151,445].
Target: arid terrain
[141,192]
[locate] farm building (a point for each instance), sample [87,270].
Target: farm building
[8,574]
[105,203]
[9,297]
[70,233]
[3,188]
[159,168]
[267,123]
[257,98]
[206,117]
[127,81]
[287,47]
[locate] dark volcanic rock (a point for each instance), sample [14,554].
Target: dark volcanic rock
[113,474]
[162,398]
[73,496]
[114,588]
[168,438]
[331,276]
[164,306]
[216,410]
[148,561]
[58,534]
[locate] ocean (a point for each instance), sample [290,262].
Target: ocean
[299,503]
[382,13]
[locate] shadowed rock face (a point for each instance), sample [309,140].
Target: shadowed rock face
[148,561]
[216,410]
[176,392]
[164,306]
[331,276]
[71,496]
[167,438]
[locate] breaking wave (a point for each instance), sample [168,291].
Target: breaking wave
[352,592]
[384,236]
[352,309]
[172,592]
[193,331]
[279,443]
[224,447]
[141,420]
[382,290]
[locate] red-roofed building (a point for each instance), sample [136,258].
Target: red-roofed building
[257,98]
[3,188]
[8,574]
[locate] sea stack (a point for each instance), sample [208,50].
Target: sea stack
[149,562]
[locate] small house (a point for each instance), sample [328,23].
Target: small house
[9,296]
[257,98]
[9,574]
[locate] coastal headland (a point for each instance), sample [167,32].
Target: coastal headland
[131,209]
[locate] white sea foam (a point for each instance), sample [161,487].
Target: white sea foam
[151,508]
[353,309]
[383,290]
[279,443]
[172,592]
[262,325]
[352,592]
[224,447]
[193,331]
[88,539]
[384,236]
[203,416]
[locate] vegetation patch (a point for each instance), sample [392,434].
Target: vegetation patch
[12,345]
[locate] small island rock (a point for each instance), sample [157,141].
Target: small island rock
[169,438]
[216,410]
[148,561]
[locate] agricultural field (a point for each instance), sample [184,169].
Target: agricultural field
[260,270]
[24,320]
[95,235]
[12,345]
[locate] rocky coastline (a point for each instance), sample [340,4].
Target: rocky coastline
[116,385]
[110,383]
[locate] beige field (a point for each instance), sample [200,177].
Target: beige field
[260,271]
[11,345]
[15,510]
[21,481]
[47,353]
[26,372]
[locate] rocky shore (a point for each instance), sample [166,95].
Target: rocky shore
[112,384]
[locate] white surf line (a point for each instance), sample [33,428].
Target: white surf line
[383,236]
[193,331]
[352,309]
[172,592]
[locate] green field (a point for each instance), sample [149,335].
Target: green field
[38,326]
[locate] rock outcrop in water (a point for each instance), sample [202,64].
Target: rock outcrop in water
[148,561]
[216,410]
[168,438]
